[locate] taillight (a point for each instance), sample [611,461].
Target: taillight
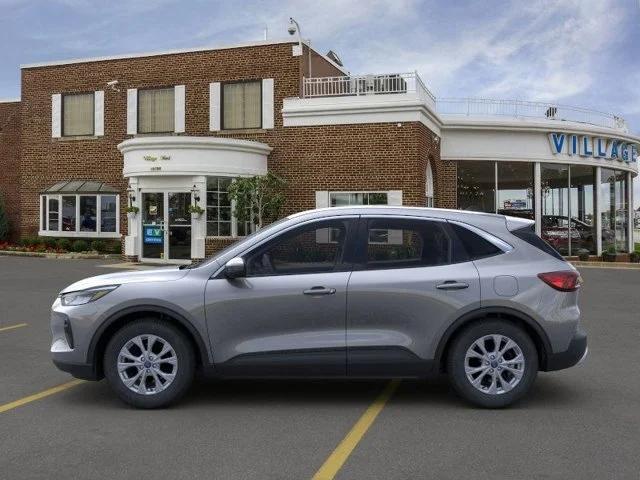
[565,281]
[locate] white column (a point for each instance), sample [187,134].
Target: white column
[537,197]
[132,246]
[199,225]
[598,209]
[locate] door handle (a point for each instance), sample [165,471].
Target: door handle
[452,285]
[319,291]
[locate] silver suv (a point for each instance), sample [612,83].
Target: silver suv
[374,292]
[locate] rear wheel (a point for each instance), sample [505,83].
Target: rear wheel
[149,363]
[492,364]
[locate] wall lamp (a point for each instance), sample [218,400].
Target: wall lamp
[196,193]
[132,196]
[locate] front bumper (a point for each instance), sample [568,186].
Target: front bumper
[575,354]
[78,370]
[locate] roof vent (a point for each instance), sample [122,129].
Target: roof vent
[334,57]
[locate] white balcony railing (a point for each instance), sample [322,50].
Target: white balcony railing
[367,85]
[478,107]
[411,83]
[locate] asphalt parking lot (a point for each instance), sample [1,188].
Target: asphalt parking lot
[579,423]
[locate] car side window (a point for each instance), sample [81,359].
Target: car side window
[472,244]
[406,243]
[315,248]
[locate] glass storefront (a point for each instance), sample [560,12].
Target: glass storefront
[477,186]
[568,201]
[515,189]
[614,210]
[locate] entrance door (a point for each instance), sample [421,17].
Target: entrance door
[166,226]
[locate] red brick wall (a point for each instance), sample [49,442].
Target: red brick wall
[342,157]
[444,172]
[10,162]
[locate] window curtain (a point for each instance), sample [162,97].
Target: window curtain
[156,110]
[242,105]
[78,114]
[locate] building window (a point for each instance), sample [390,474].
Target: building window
[614,210]
[78,215]
[477,186]
[156,110]
[341,199]
[220,219]
[515,189]
[78,114]
[242,105]
[218,207]
[429,186]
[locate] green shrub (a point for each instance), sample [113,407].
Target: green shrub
[64,244]
[98,246]
[29,241]
[49,242]
[79,246]
[114,247]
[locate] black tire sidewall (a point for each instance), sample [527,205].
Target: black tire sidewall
[456,363]
[184,353]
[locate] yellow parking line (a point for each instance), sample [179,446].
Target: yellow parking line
[335,461]
[11,327]
[37,396]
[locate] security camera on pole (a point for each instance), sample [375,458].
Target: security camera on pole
[294,28]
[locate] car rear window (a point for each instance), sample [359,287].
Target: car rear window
[528,234]
[473,244]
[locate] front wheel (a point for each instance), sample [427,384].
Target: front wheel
[149,363]
[492,364]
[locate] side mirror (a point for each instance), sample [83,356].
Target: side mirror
[235,268]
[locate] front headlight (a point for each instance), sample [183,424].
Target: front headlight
[85,296]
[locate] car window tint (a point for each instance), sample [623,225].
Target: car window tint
[314,248]
[401,243]
[474,245]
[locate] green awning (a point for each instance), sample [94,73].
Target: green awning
[81,186]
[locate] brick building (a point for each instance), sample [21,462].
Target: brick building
[161,131]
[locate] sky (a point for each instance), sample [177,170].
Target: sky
[576,52]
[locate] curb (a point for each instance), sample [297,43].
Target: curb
[618,265]
[63,256]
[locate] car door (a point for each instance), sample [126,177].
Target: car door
[407,287]
[286,316]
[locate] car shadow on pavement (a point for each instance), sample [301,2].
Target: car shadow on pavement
[434,392]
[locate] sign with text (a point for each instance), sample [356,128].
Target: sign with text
[152,235]
[593,146]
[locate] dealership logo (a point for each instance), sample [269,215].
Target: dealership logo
[596,147]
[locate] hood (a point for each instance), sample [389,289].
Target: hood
[120,278]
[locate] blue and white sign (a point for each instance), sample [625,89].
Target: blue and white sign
[591,146]
[152,235]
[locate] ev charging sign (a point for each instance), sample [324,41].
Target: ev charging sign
[594,147]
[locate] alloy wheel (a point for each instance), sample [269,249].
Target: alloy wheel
[147,364]
[494,364]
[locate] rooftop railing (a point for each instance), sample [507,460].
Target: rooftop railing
[404,83]
[478,107]
[357,85]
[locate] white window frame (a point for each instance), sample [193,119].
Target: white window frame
[44,223]
[234,220]
[429,190]
[57,120]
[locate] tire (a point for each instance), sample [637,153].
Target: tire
[504,379]
[174,376]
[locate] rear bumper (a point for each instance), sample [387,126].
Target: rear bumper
[573,355]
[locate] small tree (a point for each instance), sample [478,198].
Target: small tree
[257,199]
[4,221]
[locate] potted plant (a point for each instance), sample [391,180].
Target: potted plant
[583,255]
[609,255]
[132,211]
[195,211]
